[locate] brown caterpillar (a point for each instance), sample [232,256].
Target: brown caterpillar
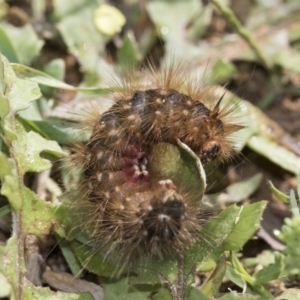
[122,201]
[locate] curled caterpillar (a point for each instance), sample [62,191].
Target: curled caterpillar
[124,201]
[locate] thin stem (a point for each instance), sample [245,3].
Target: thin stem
[242,32]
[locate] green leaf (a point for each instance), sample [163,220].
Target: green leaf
[154,271]
[5,287]
[196,294]
[30,214]
[84,41]
[38,216]
[56,68]
[275,153]
[213,283]
[245,188]
[236,296]
[6,46]
[290,234]
[240,270]
[172,26]
[4,107]
[220,234]
[22,46]
[162,293]
[224,70]
[289,294]
[69,7]
[211,238]
[121,290]
[199,26]
[4,210]
[246,223]
[17,92]
[278,194]
[10,267]
[36,293]
[239,191]
[62,132]
[232,275]
[93,260]
[288,59]
[192,173]
[264,259]
[180,165]
[45,79]
[5,166]
[271,272]
[294,204]
[29,146]
[73,263]
[129,54]
[32,112]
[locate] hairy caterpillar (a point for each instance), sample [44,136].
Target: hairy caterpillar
[123,201]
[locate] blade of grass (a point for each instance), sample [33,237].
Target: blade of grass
[4,210]
[293,204]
